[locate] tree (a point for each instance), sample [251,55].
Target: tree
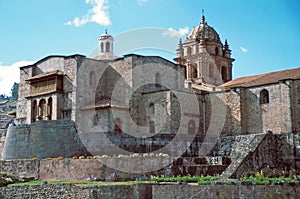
[15,91]
[3,97]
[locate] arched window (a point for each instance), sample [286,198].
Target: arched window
[101,47]
[264,97]
[151,109]
[191,127]
[118,127]
[43,109]
[34,111]
[217,51]
[157,80]
[107,47]
[211,70]
[224,74]
[151,127]
[49,109]
[194,71]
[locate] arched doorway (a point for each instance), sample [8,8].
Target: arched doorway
[43,109]
[49,110]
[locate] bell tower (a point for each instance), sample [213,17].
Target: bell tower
[207,61]
[106,44]
[105,47]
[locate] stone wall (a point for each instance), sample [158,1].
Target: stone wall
[149,191]
[257,151]
[295,97]
[101,169]
[66,191]
[274,116]
[225,110]
[274,151]
[66,64]
[23,168]
[24,89]
[225,191]
[43,139]
[244,153]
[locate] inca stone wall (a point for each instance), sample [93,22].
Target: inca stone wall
[43,139]
[236,154]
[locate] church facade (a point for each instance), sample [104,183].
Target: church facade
[138,95]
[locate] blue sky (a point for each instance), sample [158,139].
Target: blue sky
[264,35]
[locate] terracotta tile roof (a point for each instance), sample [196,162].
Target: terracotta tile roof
[47,74]
[264,79]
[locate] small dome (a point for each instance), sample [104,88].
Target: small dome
[204,31]
[105,36]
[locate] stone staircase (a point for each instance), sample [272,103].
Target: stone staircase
[237,148]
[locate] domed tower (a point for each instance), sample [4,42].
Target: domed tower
[105,47]
[207,60]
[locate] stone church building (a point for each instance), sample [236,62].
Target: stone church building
[135,100]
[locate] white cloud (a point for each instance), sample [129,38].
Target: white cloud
[243,49]
[173,33]
[97,14]
[9,75]
[140,2]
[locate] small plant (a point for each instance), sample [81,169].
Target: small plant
[89,157]
[201,180]
[104,156]
[231,181]
[135,155]
[270,176]
[163,155]
[122,156]
[151,155]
